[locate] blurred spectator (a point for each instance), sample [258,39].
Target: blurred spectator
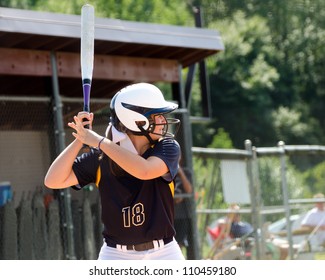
[315,220]
[239,228]
[231,226]
[230,236]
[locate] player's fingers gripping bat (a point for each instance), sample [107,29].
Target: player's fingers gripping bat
[87,51]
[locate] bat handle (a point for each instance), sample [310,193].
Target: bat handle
[85,147]
[86,86]
[86,109]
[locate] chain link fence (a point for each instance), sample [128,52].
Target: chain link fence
[279,191]
[35,222]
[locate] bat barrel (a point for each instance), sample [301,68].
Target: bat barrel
[87,51]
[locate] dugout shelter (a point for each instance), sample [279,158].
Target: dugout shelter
[40,90]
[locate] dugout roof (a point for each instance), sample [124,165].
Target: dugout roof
[125,52]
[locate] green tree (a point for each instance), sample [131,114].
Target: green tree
[157,11]
[292,129]
[315,178]
[20,4]
[221,140]
[270,181]
[242,80]
[280,60]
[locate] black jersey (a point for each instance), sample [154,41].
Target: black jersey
[133,211]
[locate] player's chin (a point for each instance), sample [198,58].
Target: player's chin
[155,136]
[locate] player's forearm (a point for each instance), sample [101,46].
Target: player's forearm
[60,174]
[137,166]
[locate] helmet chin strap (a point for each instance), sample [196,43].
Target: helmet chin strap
[146,134]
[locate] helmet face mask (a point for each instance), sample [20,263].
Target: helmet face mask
[163,126]
[135,108]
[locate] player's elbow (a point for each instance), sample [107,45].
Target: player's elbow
[143,175]
[148,173]
[51,182]
[48,182]
[153,168]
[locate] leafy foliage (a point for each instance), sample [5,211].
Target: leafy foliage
[242,80]
[221,140]
[272,60]
[315,178]
[290,127]
[270,180]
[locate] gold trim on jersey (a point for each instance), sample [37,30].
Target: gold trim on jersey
[98,176]
[172,187]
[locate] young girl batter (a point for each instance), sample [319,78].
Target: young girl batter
[133,166]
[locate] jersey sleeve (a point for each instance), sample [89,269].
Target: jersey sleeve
[169,151]
[85,168]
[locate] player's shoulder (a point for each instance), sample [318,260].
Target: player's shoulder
[167,146]
[168,142]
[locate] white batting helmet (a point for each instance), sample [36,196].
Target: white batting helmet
[133,105]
